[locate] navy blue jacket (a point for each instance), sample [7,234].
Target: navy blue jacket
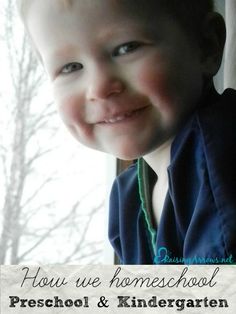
[198,222]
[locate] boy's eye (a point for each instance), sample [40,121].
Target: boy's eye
[71,67]
[126,48]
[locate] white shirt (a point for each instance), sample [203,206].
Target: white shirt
[159,160]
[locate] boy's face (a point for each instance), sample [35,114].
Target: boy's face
[122,84]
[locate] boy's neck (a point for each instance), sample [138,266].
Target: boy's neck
[159,159]
[209,94]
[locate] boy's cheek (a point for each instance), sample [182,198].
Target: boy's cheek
[157,86]
[70,110]
[73,117]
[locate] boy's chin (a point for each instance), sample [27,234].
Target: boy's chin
[127,155]
[129,150]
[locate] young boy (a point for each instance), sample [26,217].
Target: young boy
[134,79]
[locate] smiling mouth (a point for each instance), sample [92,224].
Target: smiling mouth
[122,117]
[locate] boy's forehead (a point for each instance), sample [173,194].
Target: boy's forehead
[135,8]
[89,9]
[88,20]
[138,4]
[132,8]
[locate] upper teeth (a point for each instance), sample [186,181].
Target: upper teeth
[118,118]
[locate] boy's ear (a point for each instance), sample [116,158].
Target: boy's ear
[212,43]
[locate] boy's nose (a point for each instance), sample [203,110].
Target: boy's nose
[104,84]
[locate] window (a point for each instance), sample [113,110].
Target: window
[53,190]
